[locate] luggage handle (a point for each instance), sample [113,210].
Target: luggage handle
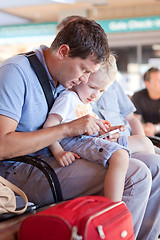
[74,204]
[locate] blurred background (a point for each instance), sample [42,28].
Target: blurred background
[132,27]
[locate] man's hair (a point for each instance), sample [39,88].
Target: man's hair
[66,20]
[85,38]
[147,74]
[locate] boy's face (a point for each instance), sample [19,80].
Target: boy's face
[93,89]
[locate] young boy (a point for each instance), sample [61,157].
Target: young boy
[75,103]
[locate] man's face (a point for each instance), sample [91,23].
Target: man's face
[153,85]
[76,70]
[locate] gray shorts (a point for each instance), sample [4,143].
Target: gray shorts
[94,149]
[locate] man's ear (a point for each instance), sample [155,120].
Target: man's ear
[64,51]
[146,83]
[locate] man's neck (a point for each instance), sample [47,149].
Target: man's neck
[48,60]
[153,95]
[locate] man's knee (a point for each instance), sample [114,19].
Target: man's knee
[152,161]
[138,178]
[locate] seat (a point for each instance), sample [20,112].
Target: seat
[155,140]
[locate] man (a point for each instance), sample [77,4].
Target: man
[147,103]
[23,109]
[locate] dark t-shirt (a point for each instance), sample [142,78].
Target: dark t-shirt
[147,107]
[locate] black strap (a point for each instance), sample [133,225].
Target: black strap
[42,77]
[47,170]
[155,140]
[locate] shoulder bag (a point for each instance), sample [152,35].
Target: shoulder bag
[8,198]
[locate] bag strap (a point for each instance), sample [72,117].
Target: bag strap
[47,170]
[42,77]
[18,191]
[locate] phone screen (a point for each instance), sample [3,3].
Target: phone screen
[109,133]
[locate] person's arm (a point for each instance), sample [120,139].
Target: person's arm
[135,124]
[14,143]
[64,158]
[149,128]
[139,99]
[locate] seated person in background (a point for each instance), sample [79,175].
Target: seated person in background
[147,103]
[66,20]
[75,103]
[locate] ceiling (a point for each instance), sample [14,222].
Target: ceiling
[13,12]
[28,11]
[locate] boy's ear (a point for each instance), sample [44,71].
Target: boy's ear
[64,50]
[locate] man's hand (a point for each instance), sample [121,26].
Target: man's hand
[86,125]
[149,129]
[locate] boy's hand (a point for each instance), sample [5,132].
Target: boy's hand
[106,124]
[114,137]
[66,158]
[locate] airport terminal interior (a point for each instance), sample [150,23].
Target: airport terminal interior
[133,31]
[132,27]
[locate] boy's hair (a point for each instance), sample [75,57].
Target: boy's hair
[147,74]
[109,69]
[85,38]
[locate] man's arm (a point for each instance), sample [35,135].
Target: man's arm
[14,143]
[135,124]
[140,100]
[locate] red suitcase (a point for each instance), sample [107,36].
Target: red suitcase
[83,218]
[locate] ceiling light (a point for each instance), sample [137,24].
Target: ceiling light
[156,47]
[64,1]
[76,1]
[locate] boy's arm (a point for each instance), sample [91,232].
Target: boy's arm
[63,158]
[53,120]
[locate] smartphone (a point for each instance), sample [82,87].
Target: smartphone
[109,133]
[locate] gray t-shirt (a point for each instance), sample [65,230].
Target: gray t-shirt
[114,105]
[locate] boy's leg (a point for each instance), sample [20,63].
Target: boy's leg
[151,223]
[115,176]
